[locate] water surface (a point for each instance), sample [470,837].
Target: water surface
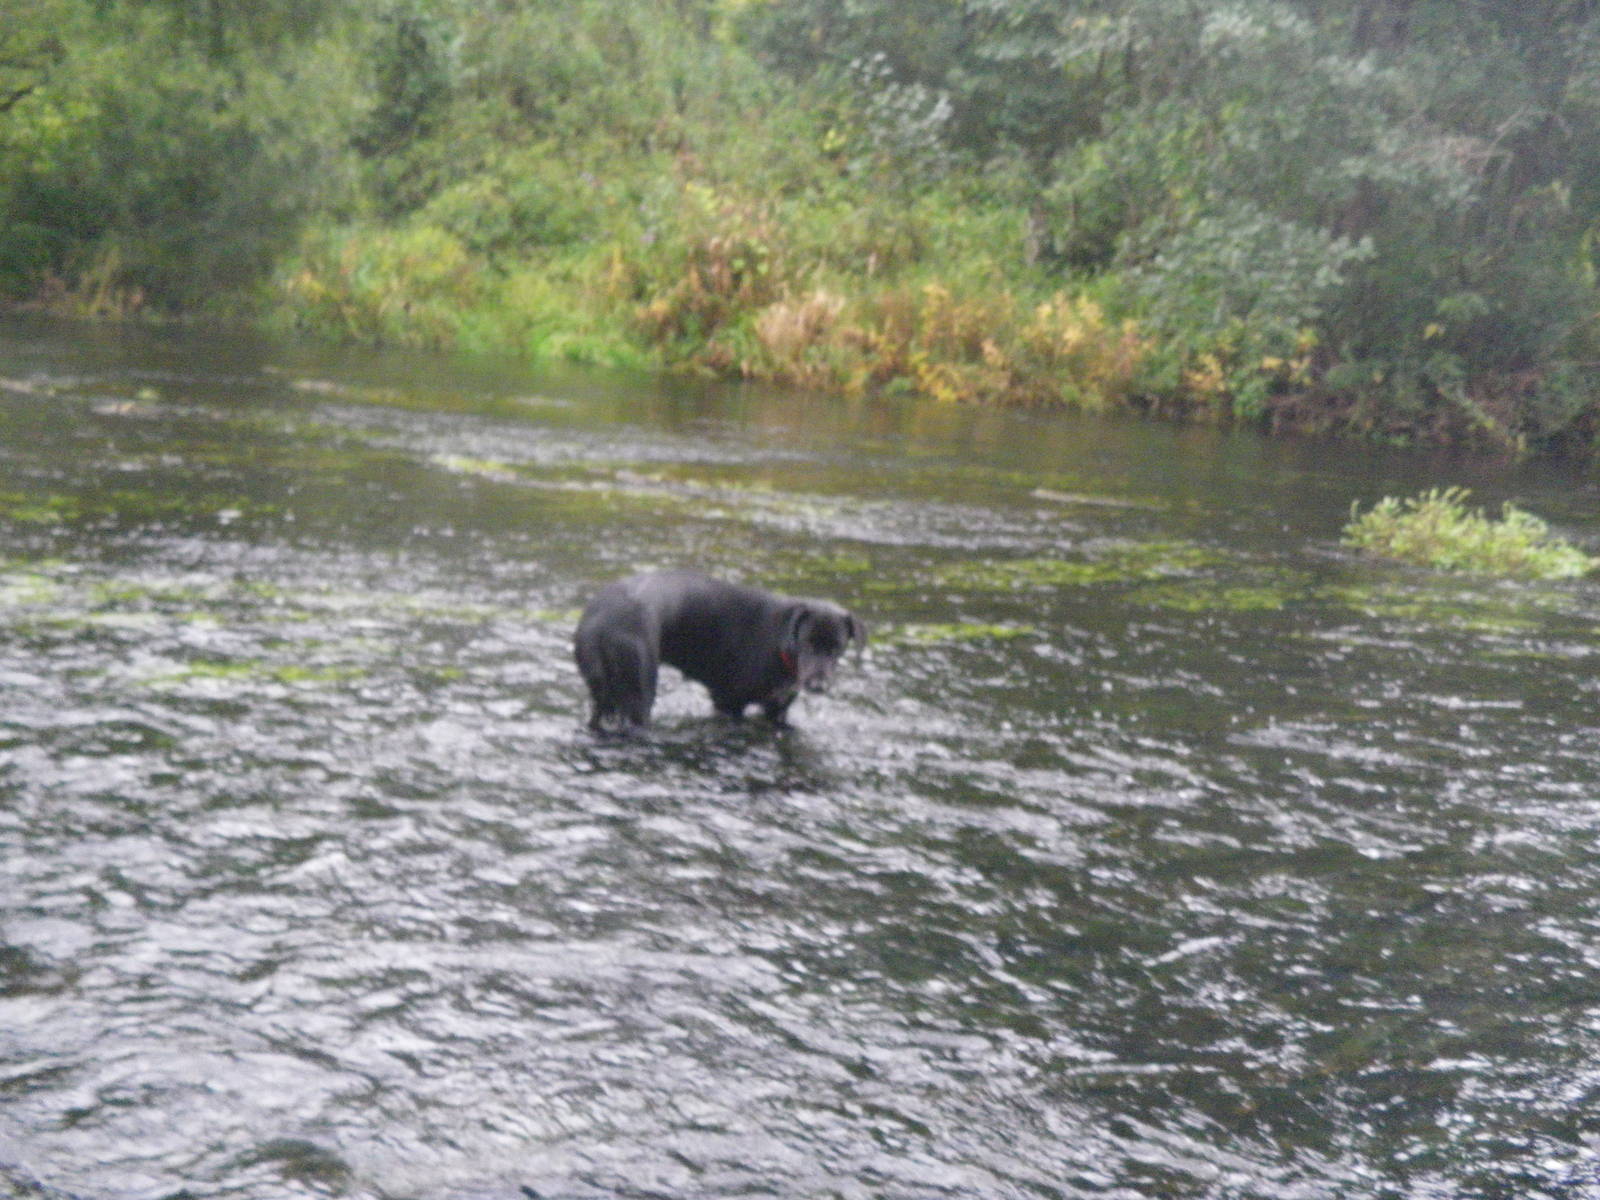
[1155,848]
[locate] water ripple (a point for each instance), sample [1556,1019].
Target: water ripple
[1152,849]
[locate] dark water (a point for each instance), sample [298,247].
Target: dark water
[1157,848]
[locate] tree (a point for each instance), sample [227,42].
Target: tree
[1413,183]
[31,47]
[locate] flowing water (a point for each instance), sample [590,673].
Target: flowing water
[1156,847]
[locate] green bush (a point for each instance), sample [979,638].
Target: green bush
[407,286]
[1436,529]
[522,201]
[185,176]
[1244,288]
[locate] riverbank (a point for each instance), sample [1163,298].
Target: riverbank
[820,198]
[842,299]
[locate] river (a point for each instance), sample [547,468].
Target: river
[1155,847]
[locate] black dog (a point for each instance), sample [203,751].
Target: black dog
[747,646]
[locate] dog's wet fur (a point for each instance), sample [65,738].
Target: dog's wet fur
[747,646]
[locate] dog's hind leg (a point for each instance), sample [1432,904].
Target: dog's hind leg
[630,682]
[641,699]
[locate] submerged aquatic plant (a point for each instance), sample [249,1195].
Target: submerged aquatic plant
[1134,562]
[1437,529]
[939,633]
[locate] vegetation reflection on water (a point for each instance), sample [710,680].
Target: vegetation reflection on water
[1157,847]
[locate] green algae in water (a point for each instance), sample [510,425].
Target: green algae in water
[836,564]
[182,595]
[1138,563]
[555,616]
[33,586]
[1092,500]
[54,509]
[937,633]
[483,468]
[252,671]
[816,573]
[126,505]
[1205,596]
[56,595]
[1519,611]
[723,496]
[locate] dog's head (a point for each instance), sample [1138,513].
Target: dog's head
[816,634]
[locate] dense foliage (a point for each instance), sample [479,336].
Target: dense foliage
[1369,216]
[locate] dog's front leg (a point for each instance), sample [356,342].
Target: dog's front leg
[732,709]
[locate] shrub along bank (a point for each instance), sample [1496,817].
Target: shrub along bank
[1368,217]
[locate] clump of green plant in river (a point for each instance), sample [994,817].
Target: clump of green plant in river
[1437,529]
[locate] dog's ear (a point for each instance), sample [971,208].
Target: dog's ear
[795,618]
